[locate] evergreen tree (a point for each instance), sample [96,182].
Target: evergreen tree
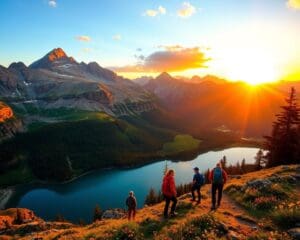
[284,143]
[243,166]
[259,160]
[224,162]
[97,213]
[151,198]
[165,168]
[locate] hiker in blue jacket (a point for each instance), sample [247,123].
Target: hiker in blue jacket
[198,181]
[218,178]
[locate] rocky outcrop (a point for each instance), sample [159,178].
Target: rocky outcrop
[9,125]
[114,214]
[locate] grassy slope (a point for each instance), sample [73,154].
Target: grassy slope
[193,221]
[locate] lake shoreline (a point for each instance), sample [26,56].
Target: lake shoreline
[5,195]
[9,191]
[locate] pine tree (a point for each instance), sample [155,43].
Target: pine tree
[151,198]
[284,143]
[97,213]
[224,162]
[243,166]
[259,160]
[165,168]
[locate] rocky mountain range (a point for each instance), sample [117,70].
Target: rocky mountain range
[210,102]
[57,80]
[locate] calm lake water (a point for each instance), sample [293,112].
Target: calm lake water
[109,188]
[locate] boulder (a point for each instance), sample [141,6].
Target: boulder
[258,184]
[114,214]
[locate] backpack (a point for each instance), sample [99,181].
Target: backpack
[199,180]
[218,176]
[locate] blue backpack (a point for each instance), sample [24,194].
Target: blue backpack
[218,176]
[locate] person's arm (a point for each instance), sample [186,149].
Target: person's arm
[173,187]
[211,175]
[194,179]
[127,202]
[224,176]
[135,202]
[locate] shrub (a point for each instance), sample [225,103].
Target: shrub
[287,216]
[128,232]
[265,203]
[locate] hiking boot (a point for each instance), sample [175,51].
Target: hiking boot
[193,200]
[213,208]
[198,202]
[173,214]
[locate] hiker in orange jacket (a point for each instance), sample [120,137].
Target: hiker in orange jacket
[169,192]
[218,178]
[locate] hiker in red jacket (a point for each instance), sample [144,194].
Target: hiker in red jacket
[169,192]
[218,178]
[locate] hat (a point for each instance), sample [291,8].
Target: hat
[196,168]
[131,193]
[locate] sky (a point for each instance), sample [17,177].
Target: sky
[251,40]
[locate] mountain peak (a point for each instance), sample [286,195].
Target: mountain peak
[164,76]
[56,53]
[53,58]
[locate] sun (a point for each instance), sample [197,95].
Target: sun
[253,66]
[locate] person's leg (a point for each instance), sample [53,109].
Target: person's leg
[199,194]
[167,203]
[193,193]
[133,214]
[129,214]
[213,195]
[220,193]
[174,203]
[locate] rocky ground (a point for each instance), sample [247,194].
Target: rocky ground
[233,220]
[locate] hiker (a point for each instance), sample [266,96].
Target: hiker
[198,181]
[131,204]
[169,192]
[218,178]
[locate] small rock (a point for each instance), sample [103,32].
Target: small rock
[295,233]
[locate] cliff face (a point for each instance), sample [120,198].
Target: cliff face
[229,221]
[9,125]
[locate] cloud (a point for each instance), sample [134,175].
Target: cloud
[52,3]
[117,37]
[294,4]
[139,49]
[170,59]
[187,10]
[162,10]
[155,12]
[83,38]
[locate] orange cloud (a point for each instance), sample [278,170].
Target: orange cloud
[83,38]
[171,59]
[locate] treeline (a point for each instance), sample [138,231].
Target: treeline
[283,145]
[58,151]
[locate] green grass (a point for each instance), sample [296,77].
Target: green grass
[181,143]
